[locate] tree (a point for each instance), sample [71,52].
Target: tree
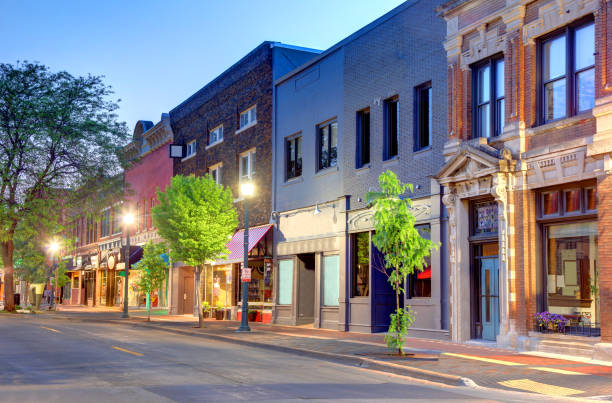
[57,133]
[153,271]
[196,217]
[401,244]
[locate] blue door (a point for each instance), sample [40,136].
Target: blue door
[489,297]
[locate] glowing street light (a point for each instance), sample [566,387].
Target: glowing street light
[128,220]
[247,189]
[53,248]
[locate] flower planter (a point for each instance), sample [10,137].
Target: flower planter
[219,314]
[252,316]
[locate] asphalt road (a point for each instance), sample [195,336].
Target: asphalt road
[47,360]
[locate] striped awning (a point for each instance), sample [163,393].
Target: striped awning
[236,244]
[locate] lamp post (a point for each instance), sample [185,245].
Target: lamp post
[247,190]
[128,219]
[53,248]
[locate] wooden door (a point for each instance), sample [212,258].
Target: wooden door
[188,296]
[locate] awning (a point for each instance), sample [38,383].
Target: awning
[425,274]
[135,256]
[236,244]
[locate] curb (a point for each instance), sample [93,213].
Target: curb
[363,362]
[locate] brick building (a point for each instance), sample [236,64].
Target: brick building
[527,178]
[226,129]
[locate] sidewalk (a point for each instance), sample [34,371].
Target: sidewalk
[434,360]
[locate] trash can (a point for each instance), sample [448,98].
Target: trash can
[17,299]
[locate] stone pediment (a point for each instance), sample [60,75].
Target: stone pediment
[470,163]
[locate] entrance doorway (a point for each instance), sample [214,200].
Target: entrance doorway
[187,294]
[485,285]
[306,288]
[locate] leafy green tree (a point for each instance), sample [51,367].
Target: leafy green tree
[58,133]
[153,271]
[401,244]
[196,217]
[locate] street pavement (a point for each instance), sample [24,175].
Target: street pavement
[85,356]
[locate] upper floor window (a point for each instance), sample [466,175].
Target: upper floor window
[191,149]
[423,116]
[363,138]
[215,173]
[105,223]
[247,165]
[568,72]
[116,221]
[561,202]
[248,117]
[391,128]
[489,98]
[216,135]
[328,145]
[293,157]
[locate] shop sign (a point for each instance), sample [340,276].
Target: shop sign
[79,261]
[245,275]
[94,260]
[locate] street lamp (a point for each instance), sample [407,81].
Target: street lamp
[128,219]
[246,190]
[53,249]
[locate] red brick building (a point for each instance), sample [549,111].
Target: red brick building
[527,180]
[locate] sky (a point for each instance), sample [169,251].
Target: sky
[155,53]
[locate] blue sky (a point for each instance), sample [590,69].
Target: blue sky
[156,53]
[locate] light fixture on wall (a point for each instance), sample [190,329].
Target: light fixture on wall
[316,210]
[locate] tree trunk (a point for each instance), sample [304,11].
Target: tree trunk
[6,249]
[397,311]
[148,307]
[197,295]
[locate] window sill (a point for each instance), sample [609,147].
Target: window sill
[391,161]
[189,157]
[245,127]
[293,181]
[419,301]
[327,171]
[362,170]
[214,144]
[560,123]
[423,150]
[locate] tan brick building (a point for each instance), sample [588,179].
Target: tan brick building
[527,179]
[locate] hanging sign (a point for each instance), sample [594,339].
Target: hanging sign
[245,275]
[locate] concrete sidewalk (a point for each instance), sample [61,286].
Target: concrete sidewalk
[434,360]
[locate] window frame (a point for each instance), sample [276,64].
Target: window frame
[562,213]
[387,138]
[194,149]
[251,120]
[353,263]
[216,168]
[426,227]
[251,165]
[496,126]
[320,128]
[219,130]
[363,140]
[293,174]
[571,91]
[418,90]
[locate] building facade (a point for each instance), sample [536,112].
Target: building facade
[226,130]
[527,177]
[360,108]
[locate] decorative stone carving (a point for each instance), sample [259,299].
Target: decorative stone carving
[556,14]
[363,220]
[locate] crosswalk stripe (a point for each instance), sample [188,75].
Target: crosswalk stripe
[541,388]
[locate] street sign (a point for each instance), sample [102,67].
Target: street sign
[245,275]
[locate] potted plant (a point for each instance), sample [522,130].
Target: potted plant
[219,311]
[205,308]
[252,315]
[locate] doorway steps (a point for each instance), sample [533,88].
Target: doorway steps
[563,344]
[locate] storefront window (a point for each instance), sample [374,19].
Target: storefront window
[572,281]
[331,280]
[260,286]
[285,282]
[221,285]
[360,271]
[420,281]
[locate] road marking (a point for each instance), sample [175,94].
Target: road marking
[491,360]
[557,371]
[53,330]
[127,351]
[542,388]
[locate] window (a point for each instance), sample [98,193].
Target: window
[488,96]
[293,157]
[485,218]
[363,138]
[391,112]
[568,202]
[105,223]
[215,173]
[568,72]
[285,282]
[420,282]
[247,166]
[423,116]
[92,231]
[143,216]
[331,280]
[360,270]
[248,117]
[116,221]
[191,149]
[328,145]
[216,135]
